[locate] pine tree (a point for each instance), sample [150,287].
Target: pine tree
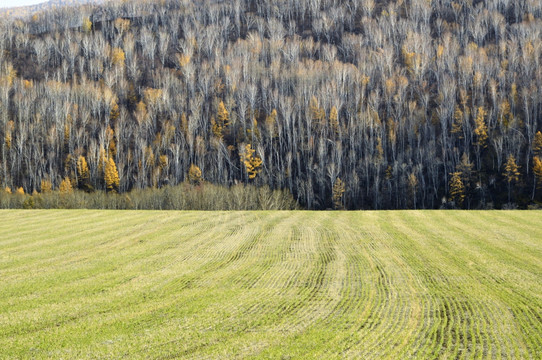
[111,176]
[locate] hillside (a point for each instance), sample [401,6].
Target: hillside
[29,10]
[346,104]
[270,285]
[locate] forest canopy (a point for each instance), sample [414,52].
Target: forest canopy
[355,104]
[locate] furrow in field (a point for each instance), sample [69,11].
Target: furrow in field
[98,278]
[493,279]
[444,320]
[358,293]
[474,312]
[372,325]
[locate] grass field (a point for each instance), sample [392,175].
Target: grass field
[279,285]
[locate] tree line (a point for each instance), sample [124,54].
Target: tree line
[355,104]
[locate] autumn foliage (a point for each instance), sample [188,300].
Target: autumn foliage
[392,97]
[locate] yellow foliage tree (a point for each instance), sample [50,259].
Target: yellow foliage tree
[183,60]
[457,125]
[114,113]
[19,191]
[7,190]
[65,186]
[122,25]
[9,128]
[216,128]
[223,114]
[102,161]
[481,128]
[46,186]
[111,177]
[505,115]
[221,122]
[338,192]
[112,150]
[511,169]
[537,144]
[408,58]
[163,162]
[254,131]
[194,175]
[152,96]
[252,162]
[270,122]
[457,189]
[316,112]
[117,57]
[334,120]
[141,112]
[537,169]
[511,173]
[83,172]
[87,25]
[413,186]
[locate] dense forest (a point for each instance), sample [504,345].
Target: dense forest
[356,104]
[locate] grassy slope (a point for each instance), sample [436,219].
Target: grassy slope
[418,284]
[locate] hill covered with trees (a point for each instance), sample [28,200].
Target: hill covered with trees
[345,103]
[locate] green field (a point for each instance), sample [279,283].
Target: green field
[275,285]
